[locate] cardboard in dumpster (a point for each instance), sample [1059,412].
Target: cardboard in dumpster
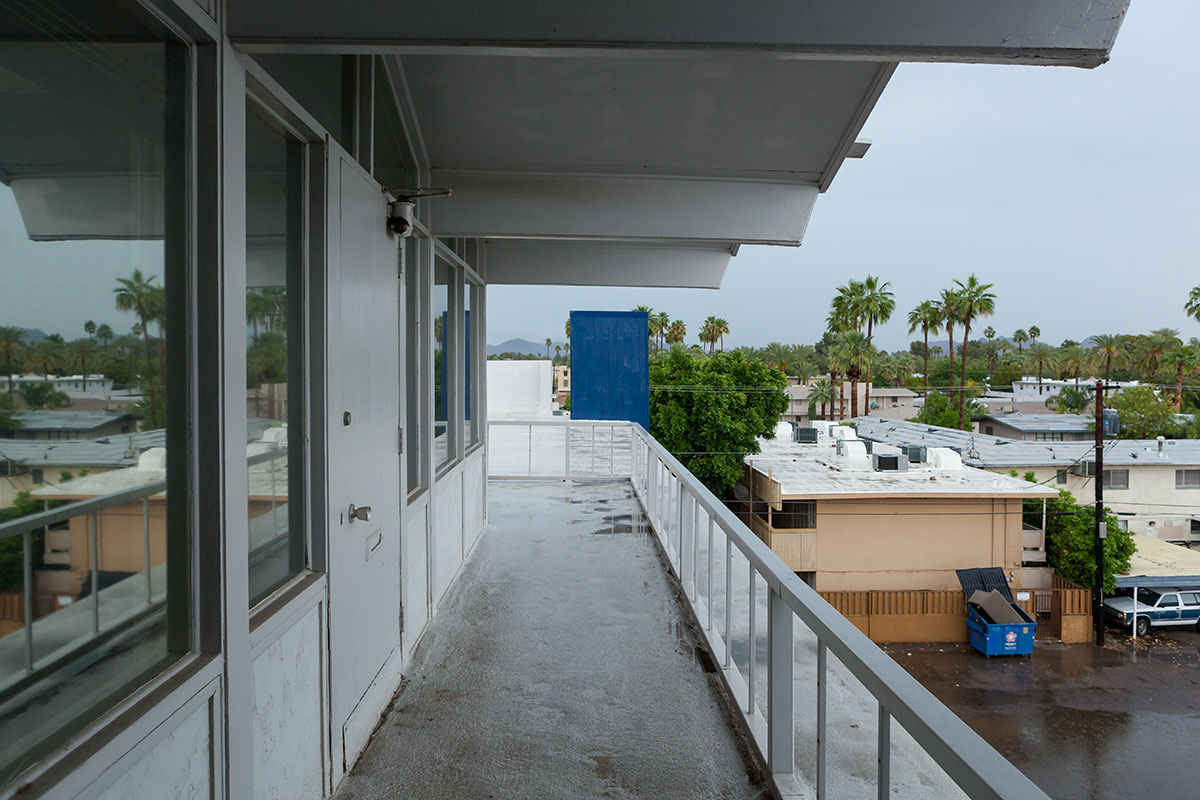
[995,607]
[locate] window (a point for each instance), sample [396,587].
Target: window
[1116,479]
[1060,477]
[1190,598]
[275,162]
[1196,526]
[795,515]
[414,400]
[989,430]
[1147,597]
[1168,601]
[470,345]
[1048,437]
[443,352]
[1123,524]
[1187,479]
[94,231]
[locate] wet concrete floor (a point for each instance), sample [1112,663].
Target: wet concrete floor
[1118,722]
[558,666]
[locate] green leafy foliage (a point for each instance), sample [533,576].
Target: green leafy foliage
[8,412]
[939,410]
[1143,414]
[1070,541]
[1071,401]
[12,564]
[43,395]
[711,421]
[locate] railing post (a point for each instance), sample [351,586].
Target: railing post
[146,545]
[651,486]
[687,536]
[751,642]
[709,596]
[821,679]
[27,547]
[884,781]
[728,598]
[781,724]
[94,541]
[567,452]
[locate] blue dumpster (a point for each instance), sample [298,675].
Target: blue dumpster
[1011,637]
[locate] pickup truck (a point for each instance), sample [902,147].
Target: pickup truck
[1154,607]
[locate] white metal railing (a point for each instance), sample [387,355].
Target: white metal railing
[559,449]
[706,545]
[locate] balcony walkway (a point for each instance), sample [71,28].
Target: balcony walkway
[559,666]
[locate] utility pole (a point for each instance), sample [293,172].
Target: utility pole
[1101,530]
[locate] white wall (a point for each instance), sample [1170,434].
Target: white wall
[519,389]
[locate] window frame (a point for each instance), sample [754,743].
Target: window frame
[1181,478]
[810,511]
[1108,475]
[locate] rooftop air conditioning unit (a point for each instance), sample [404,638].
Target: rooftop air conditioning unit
[805,435]
[917,453]
[889,462]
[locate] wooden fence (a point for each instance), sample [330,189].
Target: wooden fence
[939,615]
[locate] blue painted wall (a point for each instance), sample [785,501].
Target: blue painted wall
[610,365]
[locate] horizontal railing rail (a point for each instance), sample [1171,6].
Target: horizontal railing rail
[581,449]
[676,503]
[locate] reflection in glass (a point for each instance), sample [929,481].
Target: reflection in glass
[93,230]
[442,331]
[274,263]
[414,407]
[469,429]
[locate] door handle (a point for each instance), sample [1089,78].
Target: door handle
[360,512]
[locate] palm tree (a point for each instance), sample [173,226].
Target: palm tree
[1109,349]
[47,354]
[1074,359]
[105,334]
[777,355]
[989,333]
[1192,306]
[1041,356]
[721,327]
[975,300]
[1154,347]
[675,333]
[928,317]
[548,344]
[821,392]
[137,294]
[1034,332]
[79,351]
[851,353]
[1020,337]
[951,310]
[567,330]
[708,333]
[89,328]
[1184,358]
[11,347]
[875,304]
[557,353]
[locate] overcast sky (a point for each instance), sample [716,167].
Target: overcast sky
[1073,191]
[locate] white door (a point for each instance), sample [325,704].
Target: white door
[364,407]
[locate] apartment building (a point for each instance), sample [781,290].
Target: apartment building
[1152,485]
[890,402]
[1037,427]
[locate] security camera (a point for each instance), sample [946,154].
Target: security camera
[400,217]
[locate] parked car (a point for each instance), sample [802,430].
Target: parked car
[1154,607]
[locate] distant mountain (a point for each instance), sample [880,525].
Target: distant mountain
[33,335]
[523,346]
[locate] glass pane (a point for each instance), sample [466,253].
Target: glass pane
[274,277]
[442,331]
[93,230]
[469,430]
[414,407]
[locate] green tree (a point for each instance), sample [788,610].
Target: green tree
[11,348]
[939,410]
[9,421]
[548,344]
[79,353]
[1070,541]
[89,328]
[1020,337]
[711,432]
[105,334]
[1034,332]
[1143,415]
[1041,357]
[1192,306]
[853,355]
[1073,359]
[876,305]
[721,328]
[928,317]
[139,295]
[48,355]
[820,393]
[1186,360]
[1110,350]
[675,333]
[1070,401]
[951,310]
[43,395]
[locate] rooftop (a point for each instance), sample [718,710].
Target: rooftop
[816,470]
[69,420]
[1044,423]
[980,450]
[1159,563]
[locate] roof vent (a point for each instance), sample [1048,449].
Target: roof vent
[917,453]
[805,435]
[889,462]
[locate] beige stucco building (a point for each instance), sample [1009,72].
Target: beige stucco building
[851,520]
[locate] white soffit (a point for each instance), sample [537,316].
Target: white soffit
[582,263]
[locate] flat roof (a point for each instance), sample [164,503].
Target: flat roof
[69,420]
[816,471]
[981,450]
[1044,423]
[1161,564]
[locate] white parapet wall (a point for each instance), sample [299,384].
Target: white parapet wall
[519,389]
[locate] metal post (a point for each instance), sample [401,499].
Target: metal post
[884,779]
[751,647]
[728,597]
[593,449]
[530,468]
[651,485]
[94,542]
[27,546]
[274,518]
[780,660]
[821,677]
[1134,625]
[146,545]
[709,596]
[687,543]
[567,451]
[694,528]
[1098,479]
[612,450]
